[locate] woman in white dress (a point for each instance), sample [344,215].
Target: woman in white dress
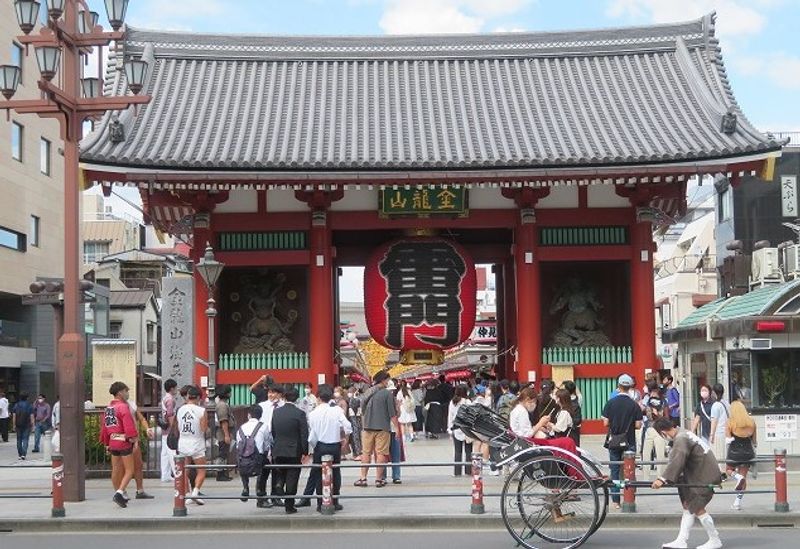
[192,425]
[408,412]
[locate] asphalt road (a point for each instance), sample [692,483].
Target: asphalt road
[607,538]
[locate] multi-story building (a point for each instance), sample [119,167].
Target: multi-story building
[748,338]
[684,267]
[31,227]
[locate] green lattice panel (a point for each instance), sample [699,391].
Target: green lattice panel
[595,392]
[583,236]
[259,241]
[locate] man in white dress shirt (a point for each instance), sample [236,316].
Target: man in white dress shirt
[327,426]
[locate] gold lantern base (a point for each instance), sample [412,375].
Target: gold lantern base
[430,357]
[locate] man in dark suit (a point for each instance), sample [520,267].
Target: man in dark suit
[290,436]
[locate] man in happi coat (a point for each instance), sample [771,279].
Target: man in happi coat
[693,468]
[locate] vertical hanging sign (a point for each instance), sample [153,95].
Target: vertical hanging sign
[177,330]
[789,196]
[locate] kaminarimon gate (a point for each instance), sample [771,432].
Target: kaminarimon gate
[550,156]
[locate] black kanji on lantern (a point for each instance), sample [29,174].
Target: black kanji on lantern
[423,280]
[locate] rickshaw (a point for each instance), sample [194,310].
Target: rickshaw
[552,498]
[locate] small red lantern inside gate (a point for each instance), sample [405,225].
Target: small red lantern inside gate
[420,294]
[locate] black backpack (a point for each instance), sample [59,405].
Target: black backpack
[249,460]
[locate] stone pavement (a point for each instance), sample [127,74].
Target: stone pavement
[21,479]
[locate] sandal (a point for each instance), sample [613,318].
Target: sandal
[379,483]
[361,483]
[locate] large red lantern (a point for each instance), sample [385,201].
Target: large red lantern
[419,294]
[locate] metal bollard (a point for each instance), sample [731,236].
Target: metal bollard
[477,507]
[781,491]
[327,507]
[58,510]
[629,474]
[47,445]
[179,503]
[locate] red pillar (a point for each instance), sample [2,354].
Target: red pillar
[201,236]
[500,319]
[528,307]
[510,316]
[642,297]
[321,301]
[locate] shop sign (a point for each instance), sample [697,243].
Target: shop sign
[423,202]
[789,196]
[780,427]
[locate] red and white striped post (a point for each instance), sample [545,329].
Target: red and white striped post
[781,490]
[58,510]
[327,507]
[179,504]
[477,507]
[629,474]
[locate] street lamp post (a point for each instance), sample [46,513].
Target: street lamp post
[209,270]
[60,48]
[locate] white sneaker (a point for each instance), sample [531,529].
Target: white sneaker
[494,473]
[195,497]
[737,504]
[675,544]
[712,543]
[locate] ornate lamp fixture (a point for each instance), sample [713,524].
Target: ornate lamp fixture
[27,14]
[116,10]
[9,80]
[48,58]
[135,73]
[55,8]
[91,87]
[209,268]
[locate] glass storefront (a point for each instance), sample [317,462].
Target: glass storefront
[767,380]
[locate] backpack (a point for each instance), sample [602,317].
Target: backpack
[504,405]
[249,460]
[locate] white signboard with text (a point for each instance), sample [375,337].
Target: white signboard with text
[789,196]
[780,427]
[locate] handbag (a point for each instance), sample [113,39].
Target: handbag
[616,442]
[172,436]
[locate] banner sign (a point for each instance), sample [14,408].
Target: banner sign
[423,202]
[789,196]
[420,294]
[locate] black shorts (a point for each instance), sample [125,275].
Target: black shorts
[122,453]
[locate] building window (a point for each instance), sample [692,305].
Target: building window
[777,379]
[726,204]
[151,338]
[12,239]
[115,329]
[44,156]
[16,141]
[33,236]
[94,251]
[17,55]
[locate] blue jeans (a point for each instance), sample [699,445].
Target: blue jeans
[38,431]
[23,434]
[394,452]
[616,468]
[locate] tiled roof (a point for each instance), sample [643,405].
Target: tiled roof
[760,301]
[638,95]
[130,298]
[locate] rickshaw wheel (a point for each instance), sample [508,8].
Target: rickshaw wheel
[551,498]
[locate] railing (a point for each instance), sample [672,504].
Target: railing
[583,236]
[271,361]
[15,334]
[687,264]
[586,355]
[240,395]
[98,462]
[794,137]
